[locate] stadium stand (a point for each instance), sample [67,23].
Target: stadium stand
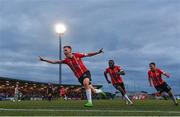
[32,90]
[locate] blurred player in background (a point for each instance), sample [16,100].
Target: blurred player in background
[115,73]
[62,93]
[17,94]
[155,78]
[50,91]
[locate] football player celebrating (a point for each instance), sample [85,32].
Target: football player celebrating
[115,73]
[74,61]
[155,78]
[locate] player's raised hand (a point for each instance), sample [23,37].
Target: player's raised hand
[101,51]
[40,58]
[167,75]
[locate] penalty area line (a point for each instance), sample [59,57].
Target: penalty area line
[85,110]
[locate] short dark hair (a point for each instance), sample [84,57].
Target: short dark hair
[152,63]
[111,60]
[67,47]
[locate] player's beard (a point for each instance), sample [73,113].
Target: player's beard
[68,55]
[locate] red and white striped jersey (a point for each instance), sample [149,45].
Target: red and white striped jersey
[76,64]
[115,78]
[156,77]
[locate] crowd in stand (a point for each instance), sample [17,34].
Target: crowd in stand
[43,93]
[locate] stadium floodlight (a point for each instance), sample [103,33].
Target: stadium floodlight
[60,30]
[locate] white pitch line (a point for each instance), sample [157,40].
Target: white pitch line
[104,111]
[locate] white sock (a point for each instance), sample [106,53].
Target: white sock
[88,94]
[127,98]
[98,90]
[173,98]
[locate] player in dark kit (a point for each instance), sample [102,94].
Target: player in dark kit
[155,78]
[49,91]
[115,73]
[74,61]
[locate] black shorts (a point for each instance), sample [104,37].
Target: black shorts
[86,74]
[163,87]
[121,85]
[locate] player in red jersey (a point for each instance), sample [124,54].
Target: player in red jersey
[62,92]
[155,78]
[74,61]
[115,73]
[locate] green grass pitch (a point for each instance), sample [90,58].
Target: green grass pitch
[100,108]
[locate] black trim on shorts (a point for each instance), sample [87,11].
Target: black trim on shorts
[86,74]
[163,87]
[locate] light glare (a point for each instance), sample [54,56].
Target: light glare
[60,28]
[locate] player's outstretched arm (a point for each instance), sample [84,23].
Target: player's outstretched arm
[166,74]
[95,53]
[105,75]
[51,61]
